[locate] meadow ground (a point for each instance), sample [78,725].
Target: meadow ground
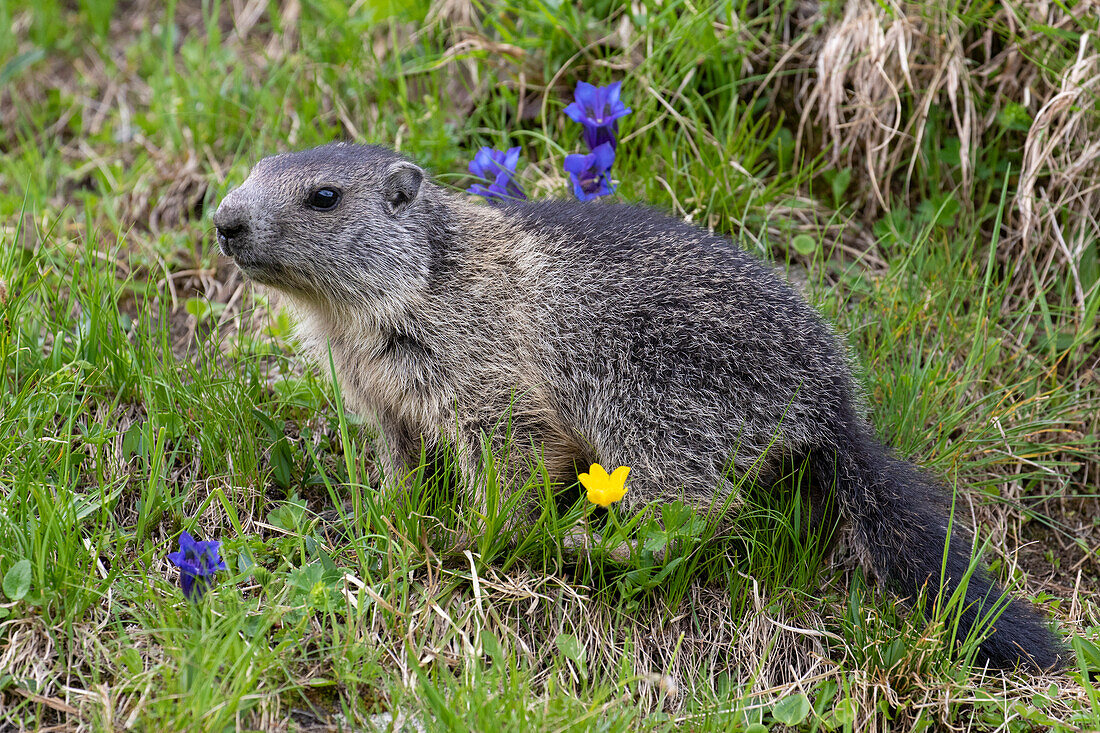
[926,172]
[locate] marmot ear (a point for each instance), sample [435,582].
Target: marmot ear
[401,187]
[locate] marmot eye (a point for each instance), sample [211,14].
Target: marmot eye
[324,199]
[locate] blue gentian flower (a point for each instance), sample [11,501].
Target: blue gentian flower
[197,561]
[590,173]
[500,169]
[598,109]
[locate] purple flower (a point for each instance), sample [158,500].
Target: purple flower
[598,109]
[197,561]
[590,173]
[498,168]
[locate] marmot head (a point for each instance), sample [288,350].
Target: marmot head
[341,223]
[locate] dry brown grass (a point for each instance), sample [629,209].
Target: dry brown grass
[1056,203]
[870,78]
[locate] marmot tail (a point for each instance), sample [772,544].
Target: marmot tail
[900,525]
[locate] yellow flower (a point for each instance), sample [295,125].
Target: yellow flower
[603,489]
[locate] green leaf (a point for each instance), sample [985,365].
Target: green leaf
[245,564]
[17,581]
[570,647]
[1088,653]
[939,210]
[198,307]
[492,647]
[655,542]
[674,515]
[839,184]
[804,244]
[274,431]
[1014,116]
[131,659]
[792,710]
[282,463]
[289,515]
[784,144]
[20,62]
[134,442]
[667,569]
[844,714]
[306,583]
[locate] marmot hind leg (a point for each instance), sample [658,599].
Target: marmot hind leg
[397,452]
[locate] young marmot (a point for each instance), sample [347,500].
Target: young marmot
[594,333]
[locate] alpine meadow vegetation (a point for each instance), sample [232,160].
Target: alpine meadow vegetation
[925,173]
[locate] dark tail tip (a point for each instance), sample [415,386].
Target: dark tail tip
[1017,637]
[900,521]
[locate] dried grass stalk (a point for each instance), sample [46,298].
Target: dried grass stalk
[878,70]
[871,68]
[1055,203]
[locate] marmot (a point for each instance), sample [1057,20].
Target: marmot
[602,333]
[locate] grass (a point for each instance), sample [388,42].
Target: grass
[146,389]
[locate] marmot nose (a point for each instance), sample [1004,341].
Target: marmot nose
[230,233]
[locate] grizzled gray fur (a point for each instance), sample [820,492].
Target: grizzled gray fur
[599,333]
